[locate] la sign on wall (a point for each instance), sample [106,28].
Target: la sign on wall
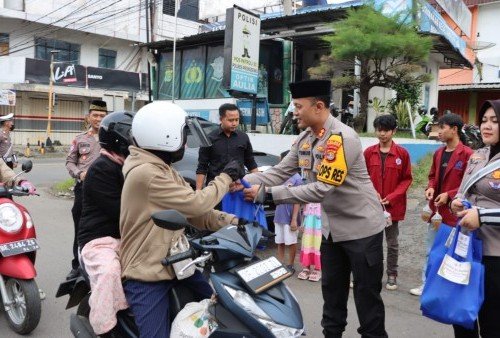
[241,50]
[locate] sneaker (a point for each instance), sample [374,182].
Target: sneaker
[417,291]
[291,268]
[391,284]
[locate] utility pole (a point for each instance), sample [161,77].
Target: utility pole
[51,91]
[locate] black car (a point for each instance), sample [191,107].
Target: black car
[187,166]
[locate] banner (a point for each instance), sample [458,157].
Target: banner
[166,75]
[246,111]
[112,79]
[193,73]
[66,74]
[241,50]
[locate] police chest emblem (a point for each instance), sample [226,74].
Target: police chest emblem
[305,146]
[398,161]
[320,149]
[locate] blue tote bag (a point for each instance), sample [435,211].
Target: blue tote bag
[234,203]
[454,287]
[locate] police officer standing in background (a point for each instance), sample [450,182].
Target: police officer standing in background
[84,150]
[329,156]
[6,146]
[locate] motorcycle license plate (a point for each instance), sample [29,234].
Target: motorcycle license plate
[264,274]
[18,247]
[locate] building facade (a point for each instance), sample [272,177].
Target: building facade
[96,52]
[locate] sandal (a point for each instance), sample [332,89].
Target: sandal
[304,274]
[315,276]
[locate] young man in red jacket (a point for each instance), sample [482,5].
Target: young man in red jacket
[389,168]
[445,176]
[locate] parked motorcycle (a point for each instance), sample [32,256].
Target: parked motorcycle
[18,245]
[251,298]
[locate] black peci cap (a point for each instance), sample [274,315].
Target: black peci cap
[98,105]
[310,88]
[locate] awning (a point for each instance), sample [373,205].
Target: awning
[452,57]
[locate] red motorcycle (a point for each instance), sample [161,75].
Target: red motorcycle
[18,245]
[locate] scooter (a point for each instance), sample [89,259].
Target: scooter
[251,298]
[18,245]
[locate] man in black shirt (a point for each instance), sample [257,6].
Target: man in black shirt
[228,143]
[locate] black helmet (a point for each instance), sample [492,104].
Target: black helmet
[115,132]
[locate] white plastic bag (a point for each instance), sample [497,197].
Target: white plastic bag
[194,321]
[179,246]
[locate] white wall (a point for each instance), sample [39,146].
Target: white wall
[487,28]
[125,19]
[22,37]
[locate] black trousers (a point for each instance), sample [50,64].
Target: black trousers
[489,322]
[364,257]
[76,211]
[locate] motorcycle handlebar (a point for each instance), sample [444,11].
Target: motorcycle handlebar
[191,253]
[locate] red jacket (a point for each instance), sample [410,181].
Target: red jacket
[396,179]
[451,180]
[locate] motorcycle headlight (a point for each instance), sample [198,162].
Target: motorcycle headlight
[244,300]
[11,218]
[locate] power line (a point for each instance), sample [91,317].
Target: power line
[43,29]
[60,28]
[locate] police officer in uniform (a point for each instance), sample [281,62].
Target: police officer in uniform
[329,156]
[84,150]
[6,146]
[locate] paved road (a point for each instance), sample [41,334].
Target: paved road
[54,227]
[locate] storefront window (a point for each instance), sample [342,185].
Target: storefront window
[193,73]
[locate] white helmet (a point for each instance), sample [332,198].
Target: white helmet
[160,126]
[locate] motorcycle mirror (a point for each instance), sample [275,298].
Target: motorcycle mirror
[170,220]
[27,166]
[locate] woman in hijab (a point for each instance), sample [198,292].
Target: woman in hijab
[484,195]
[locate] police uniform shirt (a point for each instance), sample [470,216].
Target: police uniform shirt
[5,144]
[84,150]
[334,164]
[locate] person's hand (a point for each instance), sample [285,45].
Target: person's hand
[429,194]
[384,201]
[235,186]
[379,197]
[441,199]
[82,175]
[251,193]
[301,229]
[234,169]
[28,186]
[470,218]
[293,225]
[456,206]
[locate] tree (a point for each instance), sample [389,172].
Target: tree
[387,48]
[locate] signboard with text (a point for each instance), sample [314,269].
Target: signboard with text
[241,50]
